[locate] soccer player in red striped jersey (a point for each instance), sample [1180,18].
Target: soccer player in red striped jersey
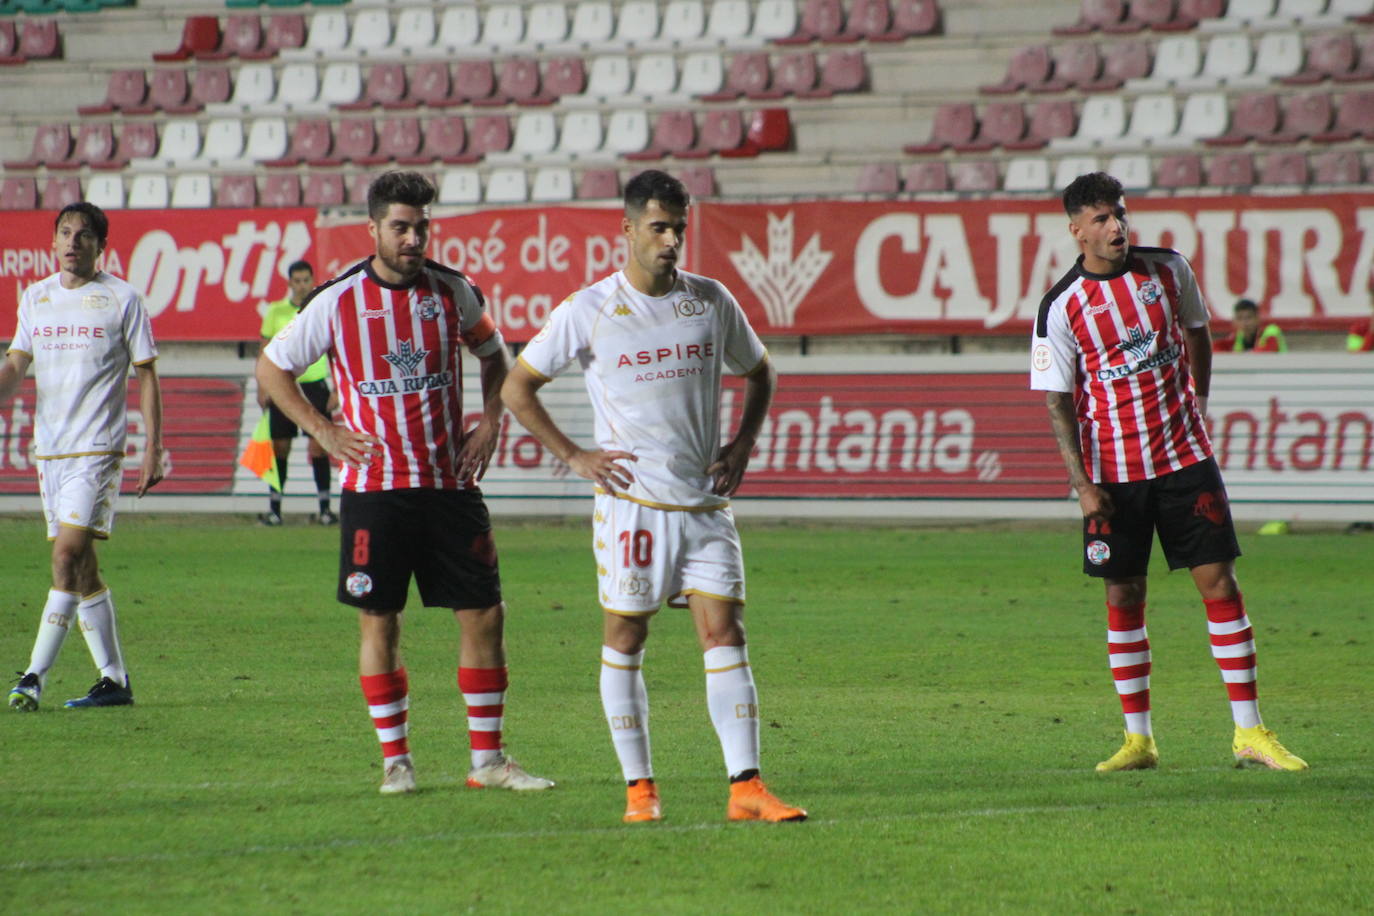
[1122,349]
[394,327]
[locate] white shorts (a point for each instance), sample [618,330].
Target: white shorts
[646,556]
[80,492]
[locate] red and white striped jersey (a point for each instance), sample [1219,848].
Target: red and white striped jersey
[1115,341]
[395,360]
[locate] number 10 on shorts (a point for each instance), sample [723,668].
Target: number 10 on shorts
[637,548]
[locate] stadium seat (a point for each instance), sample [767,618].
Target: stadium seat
[1177,58]
[370,33]
[931,176]
[1076,64]
[843,71]
[489,134]
[445,139]
[1127,60]
[1192,12]
[323,190]
[60,190]
[1231,170]
[460,28]
[503,26]
[298,88]
[609,77]
[137,140]
[1337,167]
[519,81]
[282,189]
[914,18]
[722,130]
[39,39]
[1102,121]
[955,123]
[267,140]
[869,20]
[326,36]
[284,32]
[1304,116]
[1354,119]
[1283,169]
[52,142]
[1153,14]
[1278,55]
[460,186]
[1329,54]
[655,75]
[180,141]
[821,20]
[1183,170]
[312,141]
[241,35]
[254,85]
[774,20]
[684,22]
[797,74]
[1132,170]
[1000,123]
[728,22]
[474,81]
[1030,68]
[191,190]
[770,130]
[593,23]
[18,192]
[1094,15]
[627,131]
[356,187]
[749,73]
[552,184]
[699,180]
[398,140]
[1228,58]
[341,84]
[355,139]
[199,35]
[636,22]
[974,176]
[148,192]
[386,86]
[1153,118]
[598,184]
[1070,167]
[224,140]
[1205,115]
[563,76]
[95,145]
[673,132]
[703,74]
[431,84]
[1050,119]
[547,24]
[169,91]
[1027,173]
[10,54]
[1299,12]
[416,30]
[1364,69]
[878,178]
[125,90]
[536,133]
[580,134]
[1256,116]
[1240,14]
[506,186]
[210,86]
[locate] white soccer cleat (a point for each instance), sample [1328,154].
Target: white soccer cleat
[400,777]
[505,773]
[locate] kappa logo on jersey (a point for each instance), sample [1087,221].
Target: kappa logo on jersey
[1098,552]
[358,584]
[690,308]
[622,309]
[427,308]
[406,357]
[1149,292]
[1137,342]
[1211,506]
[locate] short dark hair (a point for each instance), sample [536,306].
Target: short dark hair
[1246,305]
[655,185]
[95,217]
[300,265]
[1090,189]
[410,189]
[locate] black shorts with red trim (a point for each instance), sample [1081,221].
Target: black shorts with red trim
[441,537]
[317,393]
[1189,510]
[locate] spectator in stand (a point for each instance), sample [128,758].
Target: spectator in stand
[1247,336]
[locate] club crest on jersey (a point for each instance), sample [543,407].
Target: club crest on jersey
[1149,292]
[633,585]
[1137,342]
[358,584]
[96,301]
[406,357]
[690,308]
[427,308]
[1098,552]
[1042,358]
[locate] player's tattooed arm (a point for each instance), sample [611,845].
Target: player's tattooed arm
[479,443]
[1095,502]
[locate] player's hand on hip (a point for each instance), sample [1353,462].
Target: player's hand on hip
[354,449]
[601,468]
[479,444]
[727,472]
[150,474]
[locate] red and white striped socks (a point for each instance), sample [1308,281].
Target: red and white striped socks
[388,703]
[484,692]
[1128,653]
[1233,647]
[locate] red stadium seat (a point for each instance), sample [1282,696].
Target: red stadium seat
[1001,123]
[9,53]
[40,40]
[312,141]
[1354,119]
[912,18]
[385,86]
[926,177]
[1256,116]
[1283,169]
[843,71]
[1304,116]
[722,129]
[323,189]
[51,143]
[1152,14]
[598,184]
[1049,120]
[1076,64]
[199,35]
[489,134]
[355,139]
[564,76]
[1231,170]
[282,189]
[821,20]
[1179,171]
[699,180]
[1190,13]
[211,86]
[236,191]
[242,36]
[397,139]
[870,20]
[444,141]
[674,131]
[431,84]
[59,191]
[1030,68]
[137,140]
[1329,55]
[1337,167]
[749,73]
[878,178]
[95,145]
[474,81]
[126,90]
[955,123]
[974,176]
[285,31]
[19,192]
[1094,15]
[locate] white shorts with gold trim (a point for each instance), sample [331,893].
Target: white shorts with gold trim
[80,492]
[645,556]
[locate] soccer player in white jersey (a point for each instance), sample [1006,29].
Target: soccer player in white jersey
[1122,349]
[81,329]
[652,341]
[394,327]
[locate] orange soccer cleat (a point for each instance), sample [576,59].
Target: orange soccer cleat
[750,800]
[641,802]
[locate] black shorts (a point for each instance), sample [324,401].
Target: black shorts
[1188,508]
[443,537]
[317,393]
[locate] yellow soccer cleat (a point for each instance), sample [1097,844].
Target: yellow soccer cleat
[1259,746]
[641,802]
[750,800]
[1137,753]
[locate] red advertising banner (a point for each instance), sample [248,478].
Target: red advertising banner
[202,273]
[200,420]
[982,266]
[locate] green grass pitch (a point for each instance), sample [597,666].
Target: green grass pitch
[936,697]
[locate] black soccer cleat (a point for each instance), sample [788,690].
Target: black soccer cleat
[105,693]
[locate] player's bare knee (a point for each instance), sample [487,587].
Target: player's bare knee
[625,634]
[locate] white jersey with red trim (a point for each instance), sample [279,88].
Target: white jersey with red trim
[396,361]
[82,342]
[1116,342]
[653,367]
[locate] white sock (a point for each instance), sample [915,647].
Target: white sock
[626,703]
[734,706]
[102,636]
[53,628]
